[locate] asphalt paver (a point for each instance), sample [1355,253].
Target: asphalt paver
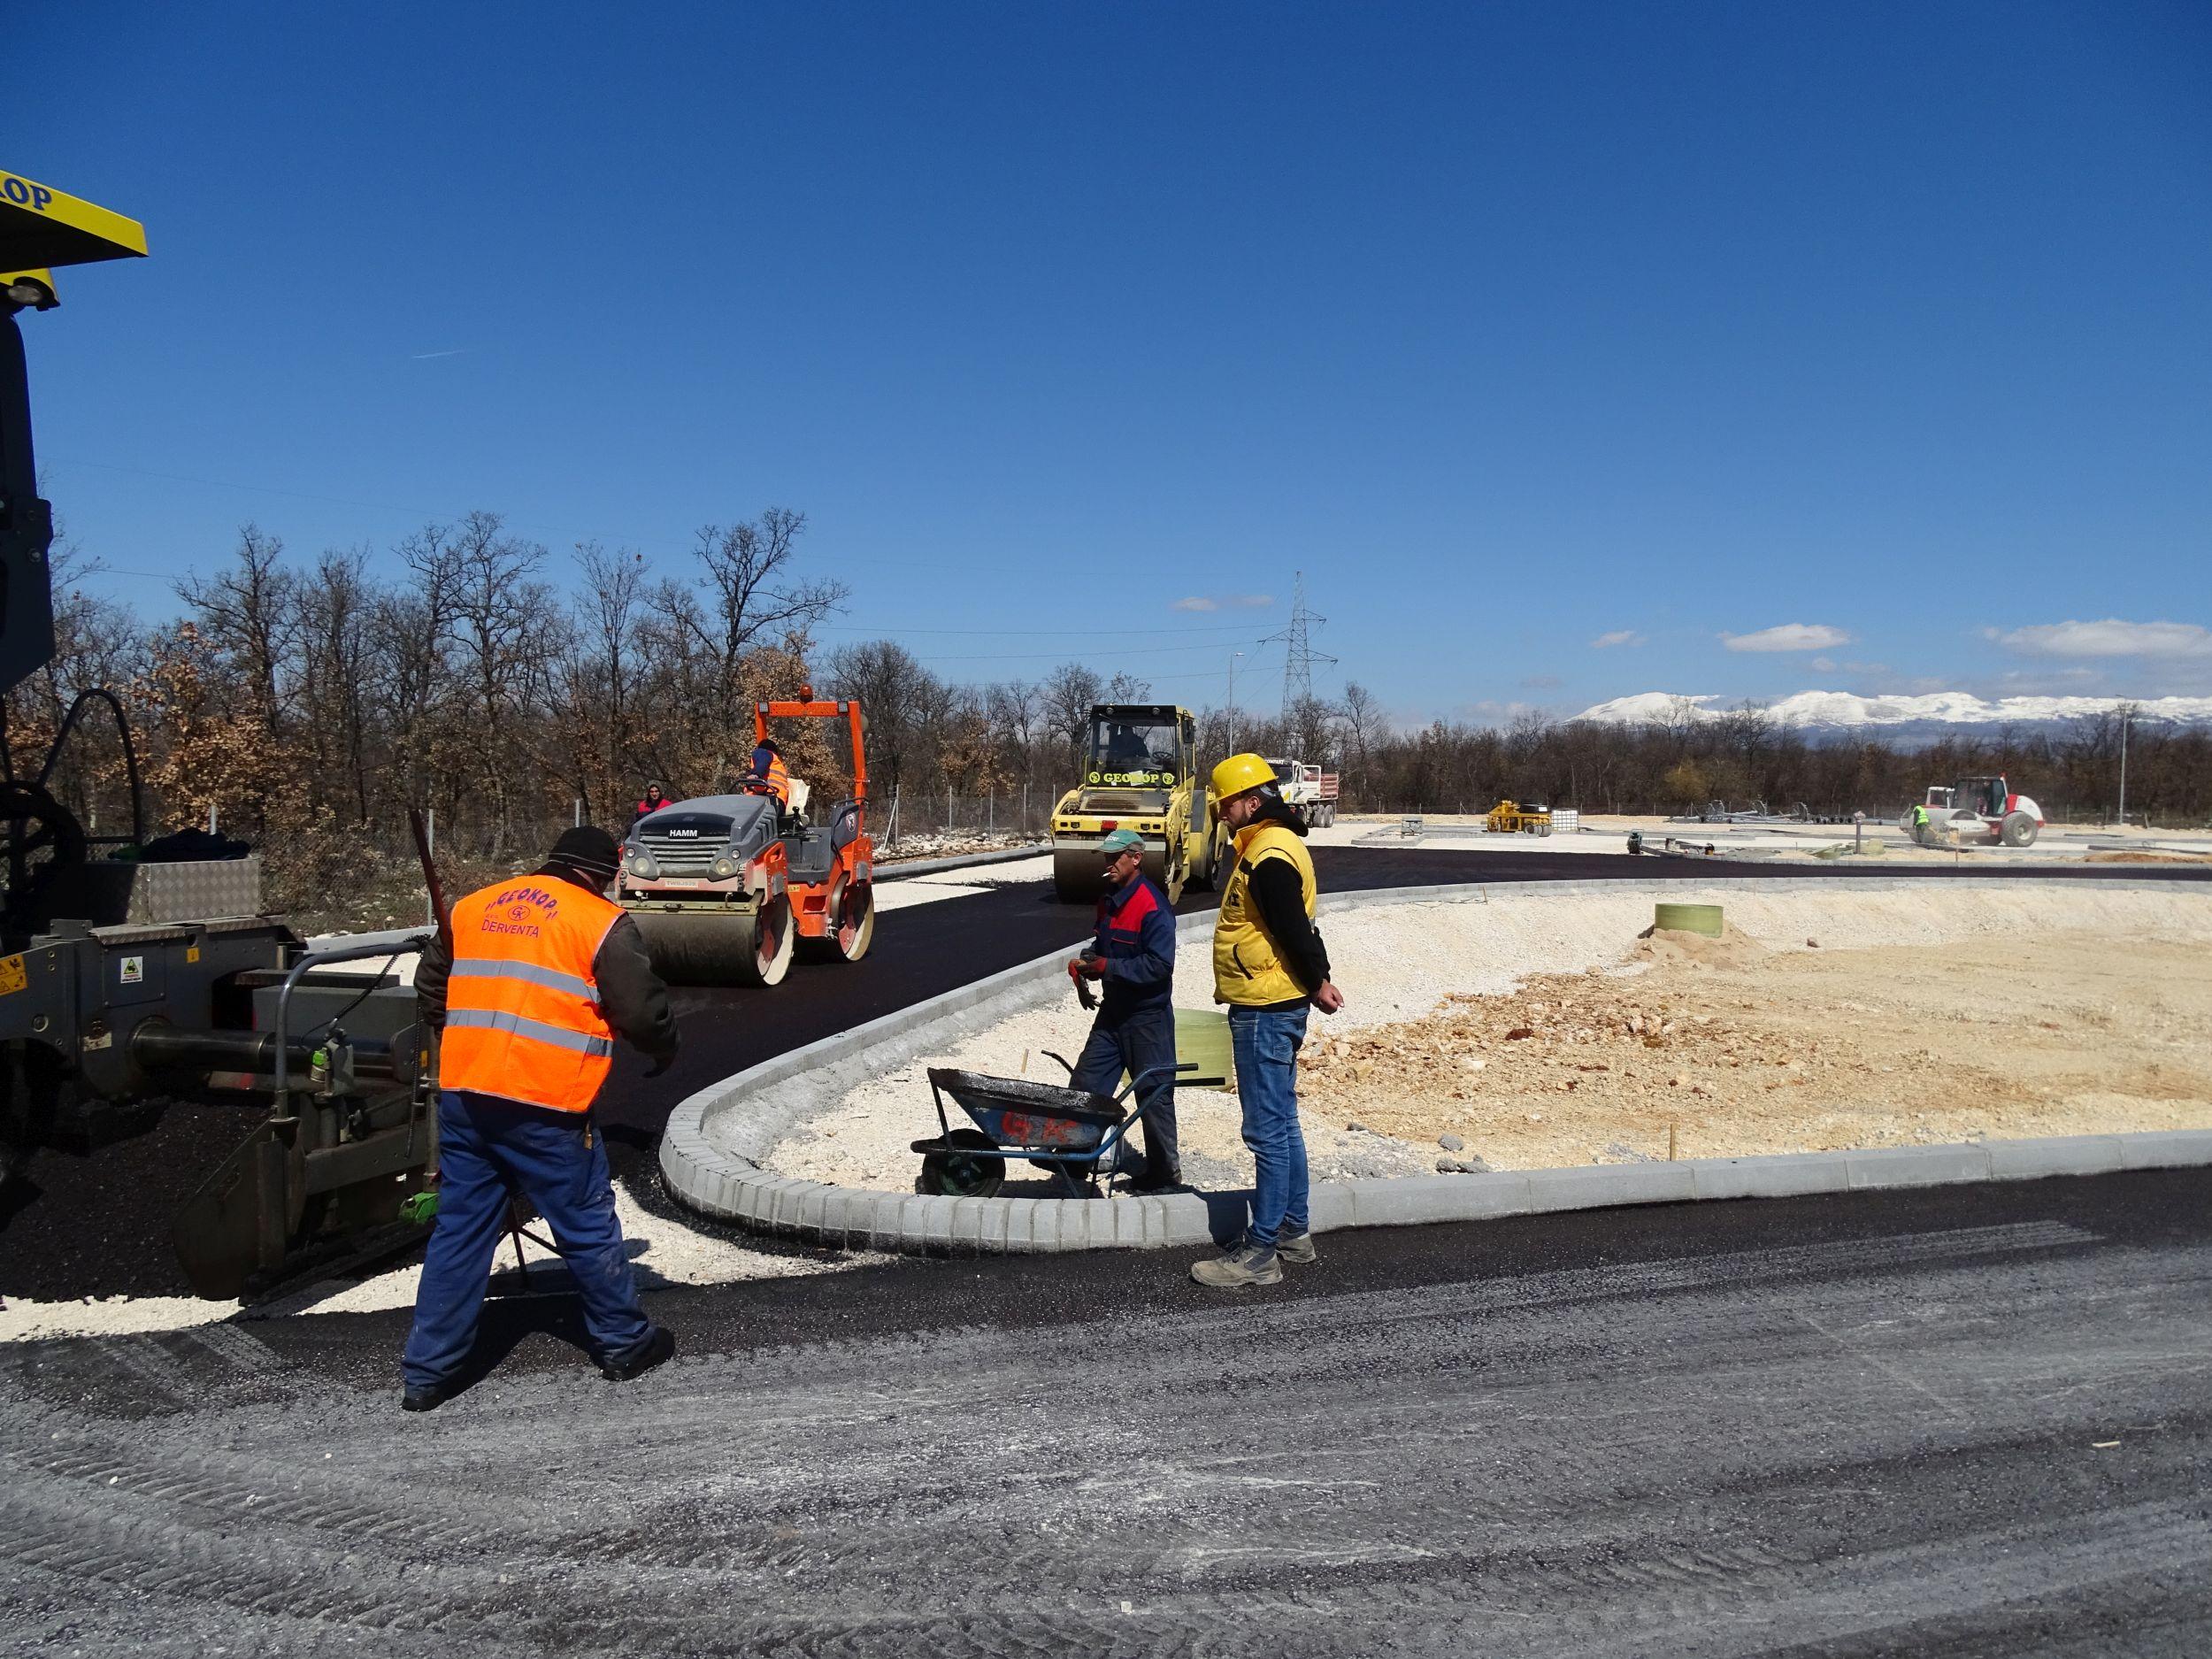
[1965,1421]
[98,1224]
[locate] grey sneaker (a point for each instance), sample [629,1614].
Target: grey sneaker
[1295,1248]
[1246,1265]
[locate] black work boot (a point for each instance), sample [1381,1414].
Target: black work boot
[427,1398]
[1295,1248]
[657,1349]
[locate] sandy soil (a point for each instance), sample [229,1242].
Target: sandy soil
[2074,994]
[1735,1049]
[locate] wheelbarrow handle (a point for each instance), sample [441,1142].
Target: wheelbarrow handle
[1151,1072]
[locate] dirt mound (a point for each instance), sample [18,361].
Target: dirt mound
[2148,859]
[1726,1049]
[1731,950]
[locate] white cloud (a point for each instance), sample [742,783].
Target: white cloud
[1788,636]
[2109,638]
[1619,636]
[1224,602]
[1825,664]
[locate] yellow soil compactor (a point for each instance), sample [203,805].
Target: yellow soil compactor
[1140,772]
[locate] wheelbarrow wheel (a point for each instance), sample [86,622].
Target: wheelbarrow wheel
[955,1173]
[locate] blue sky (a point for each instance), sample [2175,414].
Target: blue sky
[1516,327]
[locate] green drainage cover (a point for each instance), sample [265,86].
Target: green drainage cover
[1687,919]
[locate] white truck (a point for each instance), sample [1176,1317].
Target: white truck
[1309,789]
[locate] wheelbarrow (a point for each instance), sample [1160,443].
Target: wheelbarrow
[1069,1131]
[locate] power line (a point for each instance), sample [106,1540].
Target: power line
[1299,656]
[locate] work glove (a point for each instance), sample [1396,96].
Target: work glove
[1088,968]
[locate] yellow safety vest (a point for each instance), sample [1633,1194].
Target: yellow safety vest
[1248,970]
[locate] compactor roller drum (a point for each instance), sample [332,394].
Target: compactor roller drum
[718,947]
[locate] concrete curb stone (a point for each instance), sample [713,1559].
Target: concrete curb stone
[721,1177]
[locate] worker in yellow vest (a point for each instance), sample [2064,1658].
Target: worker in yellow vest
[536,977]
[1270,967]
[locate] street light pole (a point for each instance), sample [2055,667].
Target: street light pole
[2123,765]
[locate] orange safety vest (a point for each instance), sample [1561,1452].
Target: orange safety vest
[778,778]
[522,1018]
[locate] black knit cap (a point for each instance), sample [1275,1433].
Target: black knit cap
[587,849]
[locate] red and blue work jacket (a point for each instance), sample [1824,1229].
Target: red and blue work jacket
[1136,941]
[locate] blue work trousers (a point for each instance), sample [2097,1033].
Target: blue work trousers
[1265,1042]
[1140,1040]
[486,1147]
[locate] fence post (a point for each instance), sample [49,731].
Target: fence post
[211,818]
[948,809]
[990,812]
[430,845]
[891,831]
[579,811]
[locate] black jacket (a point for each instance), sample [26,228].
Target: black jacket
[631,997]
[1280,902]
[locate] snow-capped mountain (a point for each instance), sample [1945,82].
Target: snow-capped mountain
[1837,711]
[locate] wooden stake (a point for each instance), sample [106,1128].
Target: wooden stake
[1670,1127]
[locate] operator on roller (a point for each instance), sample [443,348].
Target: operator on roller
[770,776]
[538,976]
[1270,967]
[1132,957]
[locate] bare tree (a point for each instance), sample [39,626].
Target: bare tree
[1068,693]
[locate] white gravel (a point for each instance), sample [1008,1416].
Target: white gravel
[1400,962]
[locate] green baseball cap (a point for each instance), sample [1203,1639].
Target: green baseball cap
[1119,841]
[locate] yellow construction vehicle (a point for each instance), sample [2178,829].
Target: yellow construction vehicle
[1140,772]
[1510,817]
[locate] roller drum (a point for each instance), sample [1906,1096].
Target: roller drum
[719,947]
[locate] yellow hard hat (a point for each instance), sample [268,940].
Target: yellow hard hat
[1239,772]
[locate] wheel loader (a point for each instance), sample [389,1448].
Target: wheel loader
[1140,772]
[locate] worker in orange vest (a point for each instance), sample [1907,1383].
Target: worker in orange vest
[532,983]
[770,775]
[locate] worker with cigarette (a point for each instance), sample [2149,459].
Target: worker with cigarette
[1132,959]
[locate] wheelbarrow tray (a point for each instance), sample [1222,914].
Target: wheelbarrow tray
[1016,1112]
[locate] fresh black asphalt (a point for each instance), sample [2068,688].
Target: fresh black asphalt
[97,1224]
[1966,1421]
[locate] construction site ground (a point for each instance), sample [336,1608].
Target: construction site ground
[1539,1030]
[1784,841]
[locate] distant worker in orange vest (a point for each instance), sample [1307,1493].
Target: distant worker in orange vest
[538,977]
[770,775]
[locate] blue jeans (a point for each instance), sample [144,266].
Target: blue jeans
[1265,1042]
[485,1145]
[1139,1042]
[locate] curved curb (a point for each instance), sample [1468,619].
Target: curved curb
[768,1098]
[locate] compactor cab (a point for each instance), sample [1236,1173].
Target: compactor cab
[1140,772]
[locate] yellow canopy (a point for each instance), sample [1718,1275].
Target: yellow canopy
[41,228]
